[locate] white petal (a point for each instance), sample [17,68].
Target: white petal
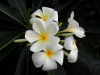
[59,57]
[38,59]
[72,23]
[68,44]
[47,10]
[79,32]
[53,15]
[73,56]
[49,64]
[37,13]
[59,47]
[37,46]
[52,27]
[31,36]
[39,25]
[72,15]
[31,21]
[52,42]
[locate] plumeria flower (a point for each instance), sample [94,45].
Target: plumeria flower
[42,35]
[45,14]
[74,27]
[48,58]
[70,45]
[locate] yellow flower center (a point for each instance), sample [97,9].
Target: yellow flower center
[44,37]
[49,53]
[45,17]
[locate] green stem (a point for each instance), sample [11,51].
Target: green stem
[29,44]
[62,41]
[60,24]
[59,32]
[66,53]
[65,34]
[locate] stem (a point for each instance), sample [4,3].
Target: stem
[29,44]
[65,34]
[66,53]
[60,24]
[62,41]
[59,32]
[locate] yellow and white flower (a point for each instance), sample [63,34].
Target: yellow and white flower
[45,14]
[48,58]
[74,27]
[70,45]
[42,35]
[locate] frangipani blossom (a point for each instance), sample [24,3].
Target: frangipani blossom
[48,58]
[74,27]
[70,45]
[45,14]
[42,35]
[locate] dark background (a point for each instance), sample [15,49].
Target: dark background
[15,59]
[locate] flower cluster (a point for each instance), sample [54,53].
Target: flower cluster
[45,40]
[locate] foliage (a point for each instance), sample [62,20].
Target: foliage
[14,19]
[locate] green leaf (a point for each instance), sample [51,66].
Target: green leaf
[28,17]
[9,12]
[59,71]
[93,64]
[36,4]
[60,5]
[7,37]
[25,64]
[88,60]
[21,67]
[19,5]
[22,4]
[7,50]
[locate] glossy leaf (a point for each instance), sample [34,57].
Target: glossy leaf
[60,5]
[9,12]
[36,4]
[7,50]
[25,65]
[59,71]
[92,63]
[7,37]
[19,5]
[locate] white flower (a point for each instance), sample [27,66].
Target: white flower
[48,58]
[74,27]
[70,45]
[45,14]
[42,35]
